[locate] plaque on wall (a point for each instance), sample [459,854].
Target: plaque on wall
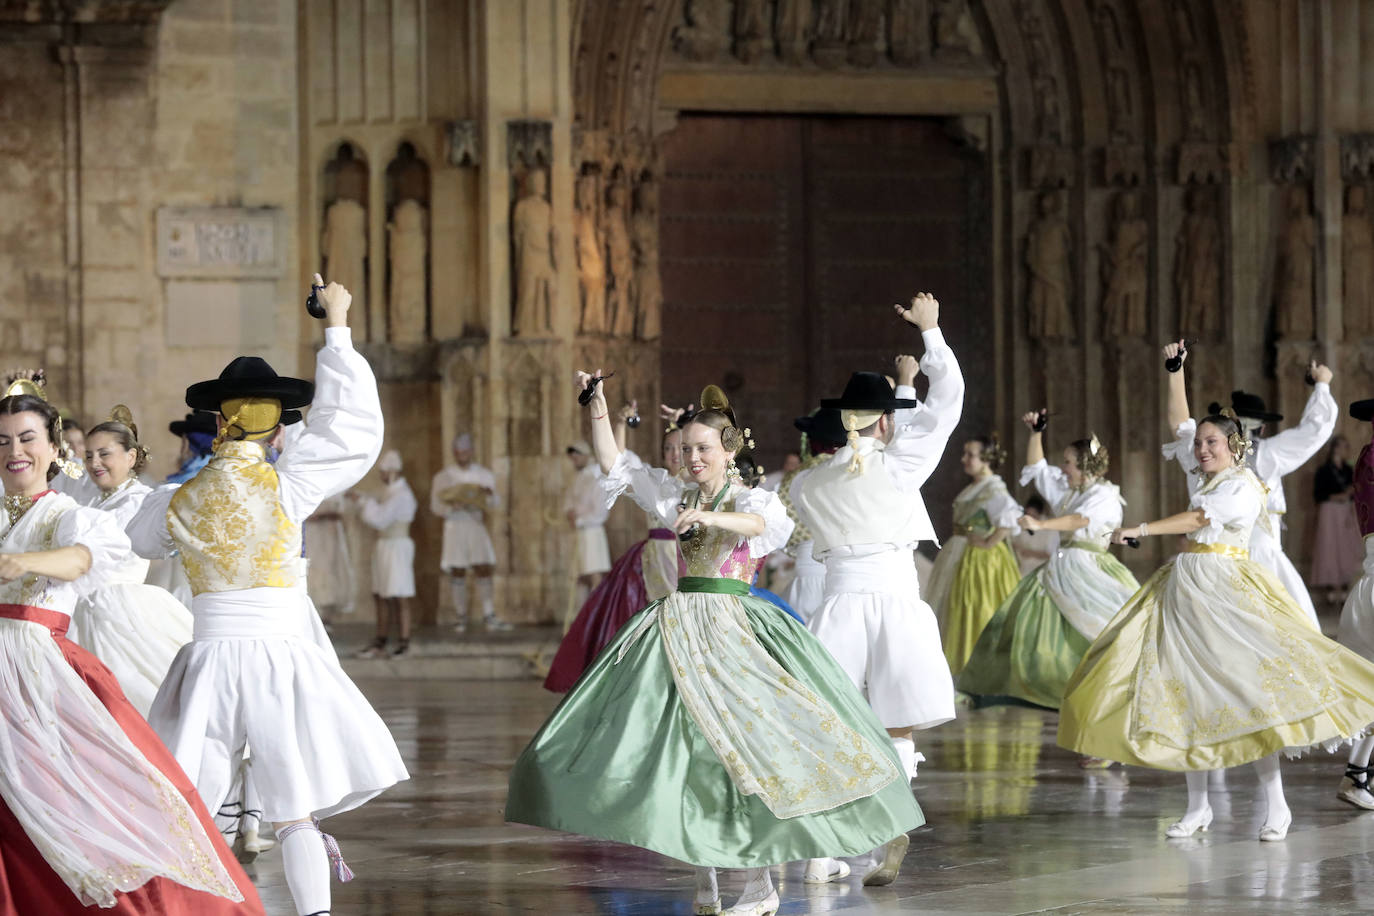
[228,242]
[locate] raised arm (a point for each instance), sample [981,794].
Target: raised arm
[343,433]
[603,436]
[944,403]
[1035,445]
[1285,452]
[1178,412]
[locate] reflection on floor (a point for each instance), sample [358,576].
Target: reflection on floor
[1015,827]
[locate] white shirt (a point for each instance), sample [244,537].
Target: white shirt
[452,476]
[396,507]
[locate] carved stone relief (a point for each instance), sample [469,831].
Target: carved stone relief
[648,289]
[1295,316]
[1049,247]
[1124,267]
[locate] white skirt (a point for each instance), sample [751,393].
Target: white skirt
[1357,617]
[136,630]
[393,568]
[1084,592]
[593,552]
[941,578]
[1268,552]
[466,543]
[886,639]
[253,677]
[331,568]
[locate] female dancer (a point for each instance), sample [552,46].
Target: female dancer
[135,629]
[1212,663]
[1336,548]
[1039,634]
[646,572]
[975,570]
[1357,616]
[713,729]
[93,809]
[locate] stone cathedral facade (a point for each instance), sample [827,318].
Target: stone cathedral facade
[690,191]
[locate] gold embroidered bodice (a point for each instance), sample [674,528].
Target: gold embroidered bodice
[229,526]
[719,554]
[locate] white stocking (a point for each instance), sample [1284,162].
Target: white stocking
[708,891]
[306,863]
[1360,752]
[758,884]
[1271,784]
[1197,793]
[459,585]
[484,595]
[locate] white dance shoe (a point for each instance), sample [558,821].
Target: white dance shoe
[765,907]
[889,863]
[1189,825]
[256,843]
[1276,832]
[824,871]
[1354,791]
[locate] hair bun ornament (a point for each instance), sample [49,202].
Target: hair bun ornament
[27,381]
[120,413]
[1238,442]
[712,398]
[994,454]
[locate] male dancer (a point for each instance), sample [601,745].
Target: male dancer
[825,435]
[585,507]
[865,511]
[461,494]
[251,676]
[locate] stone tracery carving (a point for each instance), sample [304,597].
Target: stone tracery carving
[1049,246]
[1197,266]
[1295,317]
[1124,262]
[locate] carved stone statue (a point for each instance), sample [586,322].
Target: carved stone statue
[828,48]
[536,287]
[793,20]
[1293,292]
[1124,267]
[707,30]
[1194,108]
[1197,266]
[1048,247]
[591,263]
[344,246]
[1119,102]
[1048,122]
[648,283]
[908,31]
[865,29]
[409,251]
[620,256]
[1357,264]
[956,37]
[752,31]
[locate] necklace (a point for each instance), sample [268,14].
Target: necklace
[16,506]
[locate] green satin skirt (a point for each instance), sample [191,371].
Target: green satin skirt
[621,759]
[1028,650]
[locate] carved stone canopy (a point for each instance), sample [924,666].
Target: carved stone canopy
[1291,159]
[1357,157]
[65,11]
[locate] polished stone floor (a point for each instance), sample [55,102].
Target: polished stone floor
[1014,827]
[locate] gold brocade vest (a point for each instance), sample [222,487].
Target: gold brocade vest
[229,526]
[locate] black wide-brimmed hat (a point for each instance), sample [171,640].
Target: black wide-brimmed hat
[1248,405]
[868,391]
[197,422]
[824,426]
[250,377]
[1363,410]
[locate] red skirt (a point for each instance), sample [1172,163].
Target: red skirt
[619,597]
[28,887]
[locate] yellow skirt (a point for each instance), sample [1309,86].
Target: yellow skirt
[983,580]
[1211,664]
